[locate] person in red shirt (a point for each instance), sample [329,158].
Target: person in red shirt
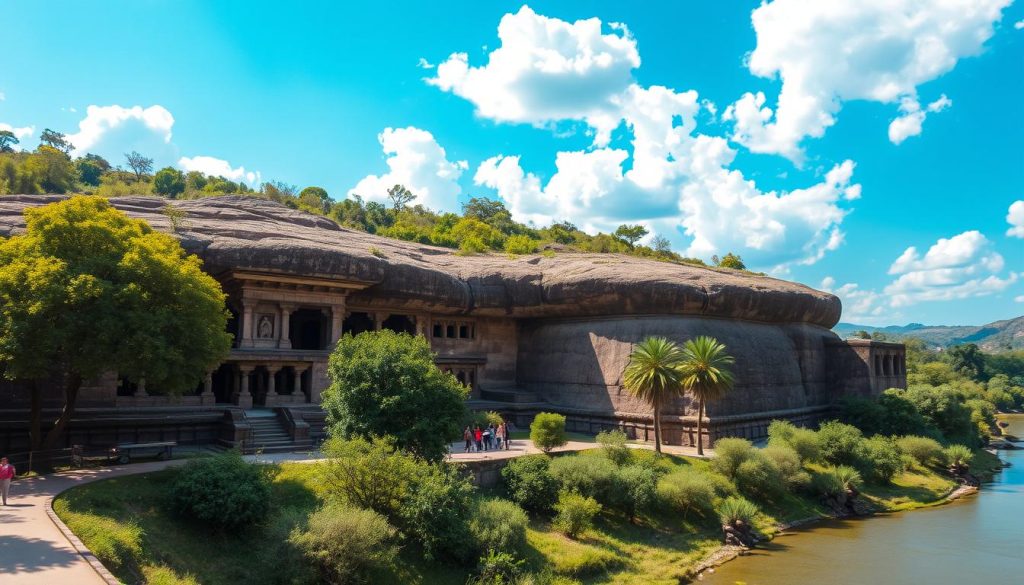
[478,437]
[6,475]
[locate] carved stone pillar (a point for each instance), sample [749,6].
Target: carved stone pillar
[284,340]
[244,397]
[378,320]
[271,399]
[247,327]
[297,392]
[337,317]
[140,390]
[207,396]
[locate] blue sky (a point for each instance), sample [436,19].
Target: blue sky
[869,148]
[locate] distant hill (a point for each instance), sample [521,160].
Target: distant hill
[993,337]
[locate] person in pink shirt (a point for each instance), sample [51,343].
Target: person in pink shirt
[6,475]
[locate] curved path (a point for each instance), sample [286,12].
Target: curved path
[37,549]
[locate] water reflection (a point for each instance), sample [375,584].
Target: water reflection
[978,539]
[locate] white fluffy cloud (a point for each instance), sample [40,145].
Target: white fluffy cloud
[859,305]
[219,168]
[953,268]
[113,130]
[547,70]
[829,51]
[1015,217]
[912,117]
[19,133]
[672,178]
[418,162]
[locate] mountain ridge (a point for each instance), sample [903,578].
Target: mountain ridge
[1002,335]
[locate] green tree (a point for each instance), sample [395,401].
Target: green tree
[315,198]
[169,182]
[56,140]
[968,360]
[139,164]
[654,376]
[51,169]
[705,374]
[88,290]
[7,141]
[631,234]
[547,431]
[730,260]
[400,197]
[386,383]
[89,172]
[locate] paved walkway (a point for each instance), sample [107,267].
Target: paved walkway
[34,551]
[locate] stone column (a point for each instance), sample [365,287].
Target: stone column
[337,317]
[378,320]
[140,390]
[271,399]
[284,339]
[244,397]
[247,340]
[297,392]
[207,396]
[422,326]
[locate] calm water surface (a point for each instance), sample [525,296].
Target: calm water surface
[976,540]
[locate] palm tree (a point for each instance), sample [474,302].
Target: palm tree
[654,376]
[704,374]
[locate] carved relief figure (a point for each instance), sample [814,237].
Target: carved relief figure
[265,328]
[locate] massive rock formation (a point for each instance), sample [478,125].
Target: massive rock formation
[234,232]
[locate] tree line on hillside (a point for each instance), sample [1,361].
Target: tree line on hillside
[484,225]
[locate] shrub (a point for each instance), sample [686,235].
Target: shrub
[881,459]
[347,544]
[803,441]
[758,476]
[547,431]
[841,444]
[223,491]
[730,453]
[925,450]
[586,475]
[381,384]
[787,461]
[520,244]
[530,483]
[958,456]
[687,490]
[943,408]
[737,509]
[498,525]
[436,513]
[575,513]
[613,445]
[497,568]
[635,488]
[369,474]
[833,481]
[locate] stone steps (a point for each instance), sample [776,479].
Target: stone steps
[269,436]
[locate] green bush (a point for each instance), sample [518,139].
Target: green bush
[498,525]
[547,431]
[576,513]
[347,544]
[586,475]
[788,463]
[382,383]
[881,459]
[635,489]
[730,453]
[530,483]
[369,474]
[803,441]
[436,513]
[841,444]
[959,456]
[759,477]
[613,445]
[736,509]
[833,481]
[687,490]
[925,450]
[497,568]
[223,492]
[520,245]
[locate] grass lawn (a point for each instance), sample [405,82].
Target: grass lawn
[127,523]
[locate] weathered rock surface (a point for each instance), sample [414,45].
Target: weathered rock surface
[237,232]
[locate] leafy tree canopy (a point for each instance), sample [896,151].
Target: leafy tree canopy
[730,260]
[169,182]
[631,233]
[386,384]
[88,290]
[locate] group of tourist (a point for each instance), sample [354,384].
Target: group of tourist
[489,438]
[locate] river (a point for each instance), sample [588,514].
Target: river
[979,539]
